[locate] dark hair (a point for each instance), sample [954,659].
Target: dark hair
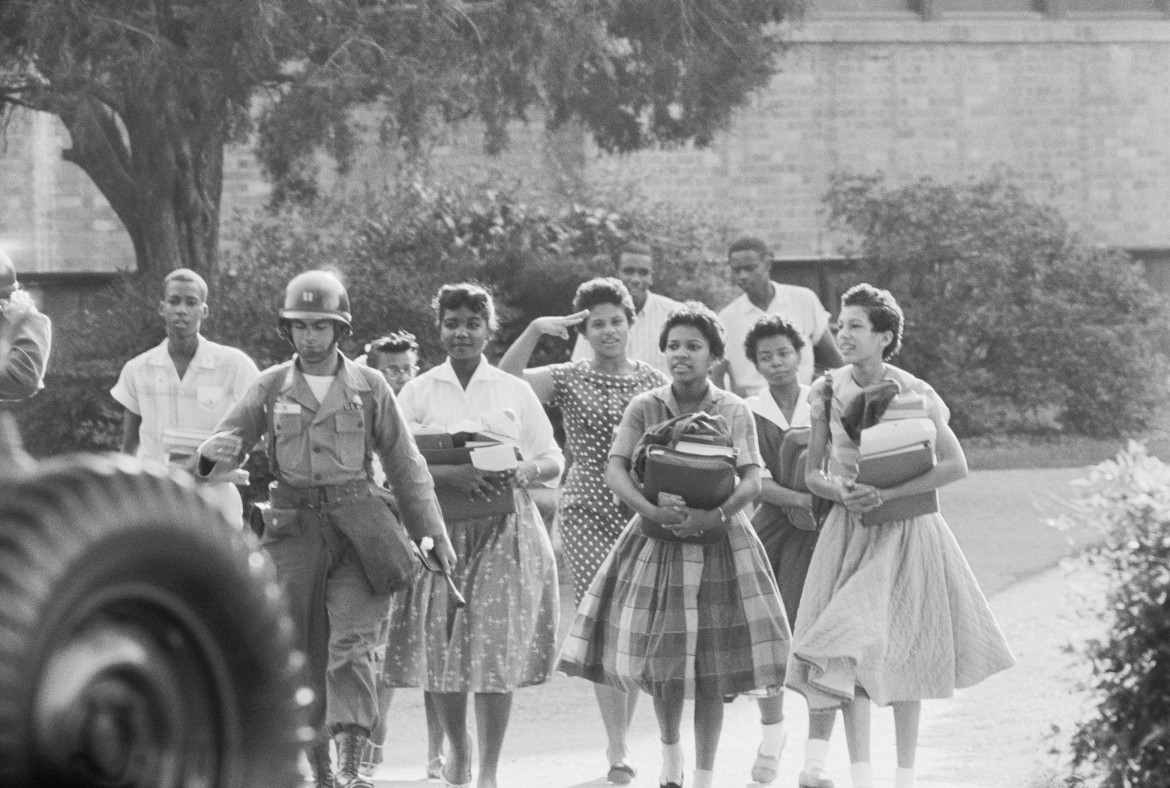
[692,313]
[772,326]
[882,309]
[604,290]
[636,247]
[750,243]
[186,275]
[471,295]
[397,342]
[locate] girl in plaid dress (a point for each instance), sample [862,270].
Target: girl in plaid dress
[681,620]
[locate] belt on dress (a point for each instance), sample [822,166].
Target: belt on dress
[325,496]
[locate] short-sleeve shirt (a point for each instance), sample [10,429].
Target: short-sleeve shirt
[436,397]
[843,452]
[149,387]
[644,334]
[657,405]
[798,304]
[215,380]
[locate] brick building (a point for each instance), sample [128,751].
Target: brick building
[1071,96]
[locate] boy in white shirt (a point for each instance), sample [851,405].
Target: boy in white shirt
[183,387]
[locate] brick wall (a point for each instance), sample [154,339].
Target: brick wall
[1077,111]
[52,217]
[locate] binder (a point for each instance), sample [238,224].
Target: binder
[440,449]
[704,482]
[893,467]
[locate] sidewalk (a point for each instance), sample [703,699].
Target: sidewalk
[995,735]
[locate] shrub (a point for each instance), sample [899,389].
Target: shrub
[1018,324]
[1127,742]
[393,249]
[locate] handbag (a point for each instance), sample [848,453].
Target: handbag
[703,481]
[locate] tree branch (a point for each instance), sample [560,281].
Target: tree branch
[99,150]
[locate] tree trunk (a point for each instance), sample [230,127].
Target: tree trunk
[162,172]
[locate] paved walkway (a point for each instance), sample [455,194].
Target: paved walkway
[999,733]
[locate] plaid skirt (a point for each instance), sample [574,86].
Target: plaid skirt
[676,619]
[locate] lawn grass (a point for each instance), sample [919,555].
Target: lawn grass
[1009,452]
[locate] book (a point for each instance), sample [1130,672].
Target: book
[498,457]
[894,467]
[704,482]
[908,405]
[896,434]
[183,440]
[705,449]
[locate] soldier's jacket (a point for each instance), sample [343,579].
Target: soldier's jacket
[320,444]
[24,354]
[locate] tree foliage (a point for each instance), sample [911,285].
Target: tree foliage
[151,90]
[1014,320]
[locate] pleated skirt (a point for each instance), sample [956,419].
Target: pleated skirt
[673,619]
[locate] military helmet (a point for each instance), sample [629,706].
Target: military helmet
[314,295]
[7,276]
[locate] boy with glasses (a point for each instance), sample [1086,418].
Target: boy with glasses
[395,356]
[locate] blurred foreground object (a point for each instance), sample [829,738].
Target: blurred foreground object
[143,640]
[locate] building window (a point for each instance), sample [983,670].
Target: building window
[855,8]
[1113,7]
[943,7]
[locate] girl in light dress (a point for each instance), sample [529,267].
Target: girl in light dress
[682,620]
[505,638]
[890,613]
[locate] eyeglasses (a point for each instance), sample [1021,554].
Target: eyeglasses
[398,372]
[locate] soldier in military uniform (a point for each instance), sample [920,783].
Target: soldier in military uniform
[24,338]
[321,417]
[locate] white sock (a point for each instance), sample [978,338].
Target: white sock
[704,778]
[816,752]
[862,774]
[672,763]
[772,741]
[904,778]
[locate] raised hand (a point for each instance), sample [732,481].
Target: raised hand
[558,326]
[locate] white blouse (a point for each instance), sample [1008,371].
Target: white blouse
[436,397]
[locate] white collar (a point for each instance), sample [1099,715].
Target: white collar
[484,372]
[764,405]
[160,356]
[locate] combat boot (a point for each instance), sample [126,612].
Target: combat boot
[321,765]
[350,747]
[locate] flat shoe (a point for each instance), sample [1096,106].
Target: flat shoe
[460,780]
[435,768]
[814,778]
[766,767]
[620,774]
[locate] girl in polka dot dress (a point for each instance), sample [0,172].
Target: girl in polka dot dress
[592,394]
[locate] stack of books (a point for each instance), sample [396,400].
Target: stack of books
[893,452]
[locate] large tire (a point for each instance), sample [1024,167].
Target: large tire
[143,641]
